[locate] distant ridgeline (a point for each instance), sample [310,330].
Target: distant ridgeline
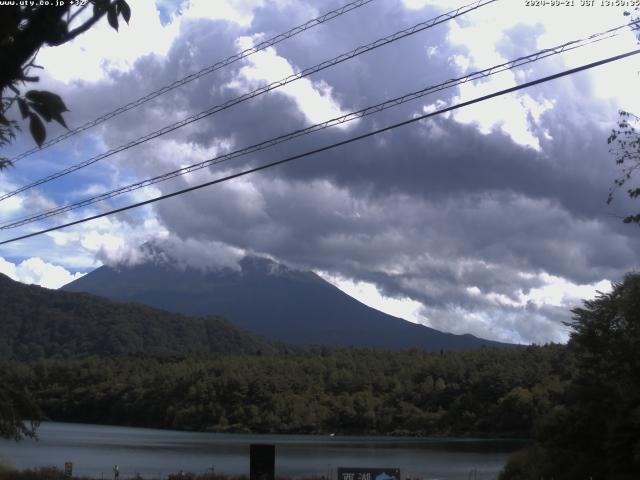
[38,323]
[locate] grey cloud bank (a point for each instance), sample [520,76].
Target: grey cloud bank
[464,222]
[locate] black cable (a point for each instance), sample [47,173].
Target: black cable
[194,76]
[329,147]
[524,60]
[259,91]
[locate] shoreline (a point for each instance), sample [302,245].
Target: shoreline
[95,449]
[450,437]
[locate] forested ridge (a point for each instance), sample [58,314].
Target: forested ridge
[353,391]
[36,322]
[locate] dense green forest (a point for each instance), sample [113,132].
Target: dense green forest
[480,392]
[592,429]
[40,323]
[579,404]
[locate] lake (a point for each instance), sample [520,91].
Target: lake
[94,449]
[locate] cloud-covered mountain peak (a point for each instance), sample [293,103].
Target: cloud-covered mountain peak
[268,298]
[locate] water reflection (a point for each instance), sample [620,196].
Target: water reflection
[94,449]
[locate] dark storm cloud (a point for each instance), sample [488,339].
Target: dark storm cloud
[431,210]
[463,222]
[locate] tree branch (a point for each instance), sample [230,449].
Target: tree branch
[82,28]
[76,13]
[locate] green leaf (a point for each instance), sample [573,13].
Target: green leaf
[38,131]
[99,7]
[24,108]
[5,162]
[58,118]
[125,10]
[48,105]
[112,16]
[48,114]
[42,110]
[51,99]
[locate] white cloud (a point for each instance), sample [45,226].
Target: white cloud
[491,323]
[10,206]
[369,294]
[36,271]
[92,54]
[113,240]
[87,246]
[560,292]
[509,113]
[314,99]
[500,22]
[499,324]
[237,11]
[111,248]
[201,254]
[319,221]
[16,205]
[555,291]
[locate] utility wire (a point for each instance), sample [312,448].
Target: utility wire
[194,76]
[259,91]
[320,126]
[329,147]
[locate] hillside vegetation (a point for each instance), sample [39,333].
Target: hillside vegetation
[579,404]
[39,323]
[481,392]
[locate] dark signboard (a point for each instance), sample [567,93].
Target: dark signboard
[345,473]
[262,462]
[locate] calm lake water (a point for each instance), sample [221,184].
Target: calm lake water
[94,449]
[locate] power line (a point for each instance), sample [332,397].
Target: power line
[259,91]
[194,76]
[568,46]
[329,147]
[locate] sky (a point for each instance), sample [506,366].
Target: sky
[490,220]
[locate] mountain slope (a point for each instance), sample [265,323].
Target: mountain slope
[36,322]
[267,298]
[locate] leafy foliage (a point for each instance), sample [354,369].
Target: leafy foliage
[624,143]
[8,129]
[594,429]
[355,391]
[276,389]
[24,28]
[36,322]
[16,405]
